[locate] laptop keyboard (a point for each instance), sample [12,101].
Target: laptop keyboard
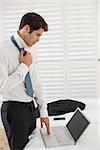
[61,135]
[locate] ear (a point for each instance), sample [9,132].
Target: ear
[27,28]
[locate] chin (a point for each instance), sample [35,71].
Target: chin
[33,44]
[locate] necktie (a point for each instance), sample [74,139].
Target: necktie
[28,83]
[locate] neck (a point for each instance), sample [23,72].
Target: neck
[20,34]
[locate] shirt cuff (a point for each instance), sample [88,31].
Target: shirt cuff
[43,113]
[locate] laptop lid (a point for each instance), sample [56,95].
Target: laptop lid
[77,124]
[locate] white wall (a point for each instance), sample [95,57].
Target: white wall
[98,58]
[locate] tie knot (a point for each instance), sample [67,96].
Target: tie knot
[21,48]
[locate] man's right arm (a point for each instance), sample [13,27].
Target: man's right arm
[9,81]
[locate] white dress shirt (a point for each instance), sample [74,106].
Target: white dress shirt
[12,75]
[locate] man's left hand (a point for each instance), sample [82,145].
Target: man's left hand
[45,121]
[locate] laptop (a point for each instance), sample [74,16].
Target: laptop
[66,135]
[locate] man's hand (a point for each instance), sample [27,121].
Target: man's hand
[46,122]
[26,59]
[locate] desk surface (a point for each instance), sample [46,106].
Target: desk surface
[88,141]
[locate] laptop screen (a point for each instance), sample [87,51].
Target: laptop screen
[77,125]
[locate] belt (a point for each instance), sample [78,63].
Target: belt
[20,104]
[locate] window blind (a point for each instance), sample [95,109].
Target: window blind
[50,53]
[81,48]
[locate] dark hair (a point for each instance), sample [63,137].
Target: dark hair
[34,20]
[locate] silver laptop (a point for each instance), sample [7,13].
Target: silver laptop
[66,135]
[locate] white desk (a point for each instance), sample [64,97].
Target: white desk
[88,141]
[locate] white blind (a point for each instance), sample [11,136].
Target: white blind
[81,47]
[67,52]
[50,53]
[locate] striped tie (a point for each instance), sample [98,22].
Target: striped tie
[28,83]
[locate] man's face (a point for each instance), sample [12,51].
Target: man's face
[32,38]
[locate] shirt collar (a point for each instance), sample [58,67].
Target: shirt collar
[21,42]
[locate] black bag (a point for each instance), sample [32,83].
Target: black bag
[62,106]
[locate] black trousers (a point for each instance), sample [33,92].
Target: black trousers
[19,120]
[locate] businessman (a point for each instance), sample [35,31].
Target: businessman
[19,82]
